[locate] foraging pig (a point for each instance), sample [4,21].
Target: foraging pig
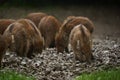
[81,43]
[62,38]
[48,27]
[24,38]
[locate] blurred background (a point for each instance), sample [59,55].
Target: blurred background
[105,14]
[58,2]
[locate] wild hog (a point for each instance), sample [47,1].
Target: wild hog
[36,36]
[36,17]
[62,38]
[48,27]
[81,43]
[2,48]
[24,38]
[72,21]
[17,39]
[4,23]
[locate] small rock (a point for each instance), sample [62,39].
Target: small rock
[23,62]
[106,51]
[7,54]
[115,46]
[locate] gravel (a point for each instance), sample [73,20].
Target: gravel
[51,65]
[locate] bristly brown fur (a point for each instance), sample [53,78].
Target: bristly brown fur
[4,23]
[26,38]
[49,27]
[62,38]
[2,48]
[36,17]
[80,40]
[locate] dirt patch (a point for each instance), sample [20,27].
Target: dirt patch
[52,66]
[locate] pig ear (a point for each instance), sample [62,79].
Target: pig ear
[64,24]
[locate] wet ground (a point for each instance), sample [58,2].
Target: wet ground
[52,66]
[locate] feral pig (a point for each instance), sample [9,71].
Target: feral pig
[36,17]
[62,38]
[72,21]
[81,43]
[4,23]
[48,27]
[36,37]
[2,48]
[24,38]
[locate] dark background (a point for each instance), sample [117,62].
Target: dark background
[58,2]
[105,14]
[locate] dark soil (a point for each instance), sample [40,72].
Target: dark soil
[53,66]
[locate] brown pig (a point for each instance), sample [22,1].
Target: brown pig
[62,38]
[2,48]
[4,23]
[81,43]
[24,38]
[36,17]
[48,27]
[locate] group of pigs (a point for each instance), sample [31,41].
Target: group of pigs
[38,31]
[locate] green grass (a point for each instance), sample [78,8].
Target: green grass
[113,74]
[12,75]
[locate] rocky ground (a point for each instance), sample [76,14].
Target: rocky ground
[52,66]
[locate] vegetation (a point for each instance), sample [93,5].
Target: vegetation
[12,75]
[102,75]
